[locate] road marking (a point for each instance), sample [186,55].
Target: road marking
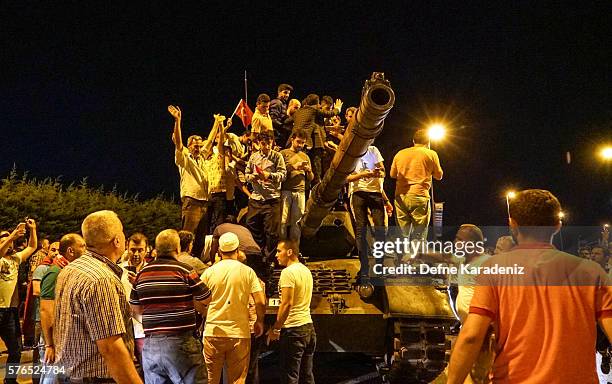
[336,347]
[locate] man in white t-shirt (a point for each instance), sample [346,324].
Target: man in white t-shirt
[10,330]
[293,326]
[227,337]
[366,193]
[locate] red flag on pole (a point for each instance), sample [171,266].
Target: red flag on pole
[244,113]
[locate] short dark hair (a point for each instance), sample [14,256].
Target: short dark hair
[263,98]
[68,240]
[186,238]
[230,219]
[291,244]
[138,238]
[420,137]
[474,232]
[193,138]
[352,109]
[535,208]
[605,249]
[327,99]
[311,99]
[284,87]
[299,133]
[263,136]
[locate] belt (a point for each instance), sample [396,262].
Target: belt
[268,201]
[171,334]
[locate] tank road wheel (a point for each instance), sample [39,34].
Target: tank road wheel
[420,351]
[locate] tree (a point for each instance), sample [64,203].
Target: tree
[60,209]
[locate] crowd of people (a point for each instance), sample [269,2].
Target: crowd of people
[265,175]
[190,307]
[111,309]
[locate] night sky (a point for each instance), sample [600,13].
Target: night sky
[85,88]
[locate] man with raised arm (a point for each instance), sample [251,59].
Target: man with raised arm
[194,178]
[10,329]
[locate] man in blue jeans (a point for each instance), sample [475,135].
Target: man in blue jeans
[167,293]
[293,324]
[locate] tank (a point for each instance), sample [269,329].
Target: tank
[403,322]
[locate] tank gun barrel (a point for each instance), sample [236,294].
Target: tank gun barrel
[377,99]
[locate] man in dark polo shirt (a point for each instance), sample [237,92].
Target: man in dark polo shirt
[167,293]
[248,246]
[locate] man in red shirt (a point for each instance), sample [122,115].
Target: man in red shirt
[544,305]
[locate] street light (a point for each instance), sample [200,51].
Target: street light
[606,153]
[436,132]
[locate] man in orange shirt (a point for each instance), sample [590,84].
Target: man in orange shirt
[413,168]
[543,306]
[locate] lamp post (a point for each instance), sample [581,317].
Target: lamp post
[561,217]
[509,195]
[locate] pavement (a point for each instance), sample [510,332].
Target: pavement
[330,368]
[26,359]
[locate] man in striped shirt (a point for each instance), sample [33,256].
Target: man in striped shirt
[167,293]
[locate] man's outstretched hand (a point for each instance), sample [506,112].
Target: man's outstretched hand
[175,111]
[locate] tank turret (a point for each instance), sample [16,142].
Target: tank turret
[377,99]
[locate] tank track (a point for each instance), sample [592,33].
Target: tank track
[421,350]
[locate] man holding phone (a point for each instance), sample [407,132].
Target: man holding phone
[10,330]
[366,193]
[265,171]
[293,189]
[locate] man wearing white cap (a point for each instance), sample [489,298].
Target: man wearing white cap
[227,337]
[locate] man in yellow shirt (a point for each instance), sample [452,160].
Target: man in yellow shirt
[414,168]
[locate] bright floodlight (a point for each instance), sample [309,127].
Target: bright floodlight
[510,194]
[436,131]
[606,153]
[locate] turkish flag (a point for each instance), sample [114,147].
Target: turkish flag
[244,113]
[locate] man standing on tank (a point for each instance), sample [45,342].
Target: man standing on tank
[414,168]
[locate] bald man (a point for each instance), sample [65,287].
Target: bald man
[92,316]
[71,246]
